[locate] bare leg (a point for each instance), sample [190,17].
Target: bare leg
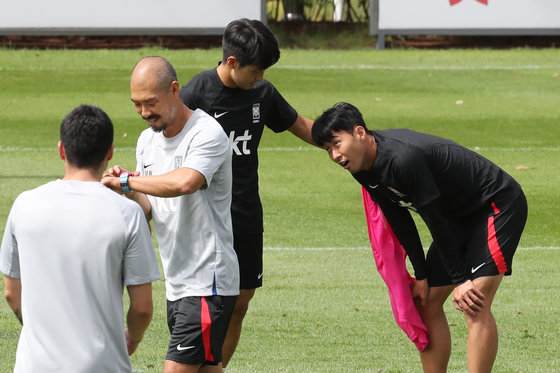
[175,367]
[436,356]
[482,343]
[211,368]
[236,324]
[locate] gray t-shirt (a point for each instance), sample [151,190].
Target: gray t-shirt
[75,245]
[194,230]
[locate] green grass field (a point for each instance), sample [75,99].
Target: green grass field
[323,307]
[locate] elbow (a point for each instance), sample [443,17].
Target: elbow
[144,311]
[188,187]
[12,296]
[9,295]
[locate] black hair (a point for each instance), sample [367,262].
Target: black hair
[87,135]
[341,117]
[251,43]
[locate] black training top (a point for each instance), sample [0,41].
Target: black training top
[242,113]
[443,181]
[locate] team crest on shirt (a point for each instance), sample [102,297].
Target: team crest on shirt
[256,112]
[178,162]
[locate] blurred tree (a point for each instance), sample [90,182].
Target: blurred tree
[318,10]
[293,10]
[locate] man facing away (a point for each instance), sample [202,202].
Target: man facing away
[238,97]
[184,185]
[474,210]
[69,248]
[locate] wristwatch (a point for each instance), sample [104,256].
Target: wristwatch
[124,182]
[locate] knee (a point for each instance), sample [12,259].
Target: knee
[483,317]
[242,303]
[431,310]
[241,308]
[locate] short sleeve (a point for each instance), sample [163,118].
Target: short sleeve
[207,151]
[9,254]
[282,115]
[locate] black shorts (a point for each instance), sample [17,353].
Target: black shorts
[491,239]
[249,249]
[198,327]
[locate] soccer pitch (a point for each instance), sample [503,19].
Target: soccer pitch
[323,307]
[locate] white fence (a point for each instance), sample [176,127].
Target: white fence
[120,17]
[464,17]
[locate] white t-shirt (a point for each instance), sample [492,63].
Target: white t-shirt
[75,245]
[194,230]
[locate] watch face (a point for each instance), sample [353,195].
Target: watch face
[124,182]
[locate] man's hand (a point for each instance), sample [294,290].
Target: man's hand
[467,298]
[419,289]
[111,178]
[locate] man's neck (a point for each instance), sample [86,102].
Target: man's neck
[224,73]
[371,151]
[81,174]
[182,115]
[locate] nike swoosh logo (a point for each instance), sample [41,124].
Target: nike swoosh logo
[259,276]
[373,186]
[216,115]
[148,165]
[179,348]
[473,269]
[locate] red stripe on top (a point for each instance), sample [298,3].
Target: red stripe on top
[494,246]
[496,210]
[206,322]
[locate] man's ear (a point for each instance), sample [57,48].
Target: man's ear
[174,88]
[110,152]
[360,132]
[231,61]
[61,152]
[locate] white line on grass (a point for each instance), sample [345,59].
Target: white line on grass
[8,149]
[415,68]
[308,67]
[490,148]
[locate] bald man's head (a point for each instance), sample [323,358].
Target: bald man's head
[154,68]
[154,91]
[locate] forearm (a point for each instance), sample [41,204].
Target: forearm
[12,292]
[447,243]
[405,229]
[172,184]
[137,322]
[140,311]
[16,308]
[302,129]
[143,201]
